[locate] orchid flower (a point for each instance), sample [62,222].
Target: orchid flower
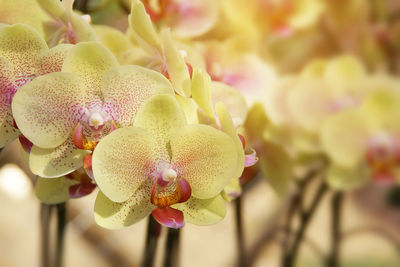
[222,107]
[245,71]
[186,18]
[66,26]
[65,114]
[363,142]
[24,55]
[298,105]
[162,166]
[275,161]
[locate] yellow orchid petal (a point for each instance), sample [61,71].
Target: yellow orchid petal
[232,190]
[177,69]
[227,126]
[382,108]
[125,89]
[343,137]
[112,215]
[56,162]
[162,116]
[200,88]
[54,8]
[310,104]
[53,59]
[8,132]
[341,178]
[46,109]
[277,166]
[233,100]
[21,45]
[53,190]
[204,156]
[113,39]
[23,11]
[203,211]
[314,69]
[141,24]
[189,107]
[306,13]
[89,61]
[121,162]
[343,70]
[256,122]
[66,26]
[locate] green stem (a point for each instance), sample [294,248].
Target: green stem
[239,233]
[45,215]
[171,257]
[336,208]
[305,218]
[153,232]
[61,223]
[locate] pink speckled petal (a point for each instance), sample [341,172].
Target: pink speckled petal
[7,87]
[57,161]
[205,157]
[169,217]
[47,109]
[162,116]
[123,161]
[53,59]
[203,211]
[227,126]
[125,88]
[112,215]
[22,46]
[90,61]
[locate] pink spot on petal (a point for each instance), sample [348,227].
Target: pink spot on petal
[169,217]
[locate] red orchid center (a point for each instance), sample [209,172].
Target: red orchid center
[169,188]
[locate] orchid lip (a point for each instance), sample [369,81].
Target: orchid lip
[169,189]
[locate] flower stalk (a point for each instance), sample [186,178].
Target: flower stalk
[153,232]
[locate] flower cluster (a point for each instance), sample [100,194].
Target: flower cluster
[135,115]
[163,112]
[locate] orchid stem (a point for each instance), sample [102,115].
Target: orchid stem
[336,208]
[171,257]
[61,223]
[153,232]
[239,233]
[45,215]
[305,218]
